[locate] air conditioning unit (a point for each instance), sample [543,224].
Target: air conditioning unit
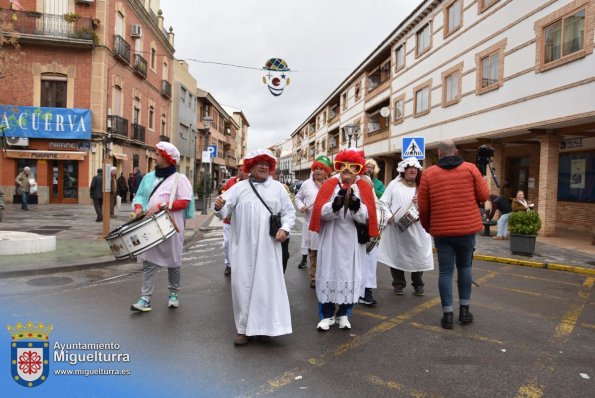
[135,31]
[17,141]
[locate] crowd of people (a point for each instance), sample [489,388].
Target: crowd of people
[352,222]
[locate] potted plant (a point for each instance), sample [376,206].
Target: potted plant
[523,226]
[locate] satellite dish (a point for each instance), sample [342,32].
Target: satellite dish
[385,111]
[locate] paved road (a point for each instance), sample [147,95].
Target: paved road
[534,336]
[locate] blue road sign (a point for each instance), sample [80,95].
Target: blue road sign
[414,147]
[213,150]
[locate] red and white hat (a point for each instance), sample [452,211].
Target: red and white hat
[257,156]
[168,152]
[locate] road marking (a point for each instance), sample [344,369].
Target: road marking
[544,366]
[588,325]
[457,333]
[530,293]
[545,279]
[392,385]
[369,314]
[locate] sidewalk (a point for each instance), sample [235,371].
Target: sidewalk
[80,244]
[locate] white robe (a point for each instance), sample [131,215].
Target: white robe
[305,197]
[411,250]
[259,295]
[340,258]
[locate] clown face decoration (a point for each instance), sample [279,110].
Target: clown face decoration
[276,78]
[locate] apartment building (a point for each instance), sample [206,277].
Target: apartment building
[284,153]
[517,75]
[90,83]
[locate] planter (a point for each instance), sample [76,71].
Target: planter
[522,244]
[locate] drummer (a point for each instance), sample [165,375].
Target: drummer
[411,249]
[153,196]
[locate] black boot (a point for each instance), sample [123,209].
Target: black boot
[465,317]
[447,320]
[304,262]
[368,298]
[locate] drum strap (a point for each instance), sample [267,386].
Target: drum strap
[172,194]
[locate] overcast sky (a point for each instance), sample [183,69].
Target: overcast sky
[322,40]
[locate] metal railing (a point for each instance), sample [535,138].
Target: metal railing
[140,66]
[68,26]
[119,125]
[138,132]
[121,49]
[166,88]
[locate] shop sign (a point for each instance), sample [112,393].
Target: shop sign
[571,143]
[51,155]
[68,146]
[45,122]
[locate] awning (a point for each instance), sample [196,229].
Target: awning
[120,156]
[53,155]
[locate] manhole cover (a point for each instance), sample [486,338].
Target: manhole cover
[50,281]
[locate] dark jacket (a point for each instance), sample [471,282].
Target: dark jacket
[122,185]
[136,179]
[500,203]
[96,190]
[448,197]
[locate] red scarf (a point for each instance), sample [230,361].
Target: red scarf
[326,191]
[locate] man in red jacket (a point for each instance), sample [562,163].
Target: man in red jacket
[447,199]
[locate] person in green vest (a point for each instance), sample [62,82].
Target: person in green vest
[372,171]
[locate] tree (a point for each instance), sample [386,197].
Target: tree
[10,54]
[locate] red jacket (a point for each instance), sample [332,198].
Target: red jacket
[448,197]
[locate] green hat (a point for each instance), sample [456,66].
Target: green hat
[322,161]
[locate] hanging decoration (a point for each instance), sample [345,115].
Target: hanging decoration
[276,78]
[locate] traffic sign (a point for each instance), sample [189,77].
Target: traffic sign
[213,150]
[414,147]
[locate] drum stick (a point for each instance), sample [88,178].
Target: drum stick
[393,214]
[134,216]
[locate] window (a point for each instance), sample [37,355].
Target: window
[485,4]
[117,101]
[135,161]
[400,57]
[153,58]
[163,124]
[358,91]
[344,100]
[399,109]
[490,67]
[424,40]
[376,123]
[53,90]
[119,24]
[422,99]
[451,85]
[151,117]
[182,95]
[453,16]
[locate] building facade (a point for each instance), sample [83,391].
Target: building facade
[516,75]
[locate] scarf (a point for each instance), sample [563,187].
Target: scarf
[326,192]
[165,172]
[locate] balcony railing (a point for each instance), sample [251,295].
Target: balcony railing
[138,132]
[164,138]
[121,49]
[49,26]
[166,88]
[119,125]
[140,66]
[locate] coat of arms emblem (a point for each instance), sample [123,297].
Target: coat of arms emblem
[29,353]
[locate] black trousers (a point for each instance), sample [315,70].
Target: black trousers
[285,253]
[98,204]
[399,278]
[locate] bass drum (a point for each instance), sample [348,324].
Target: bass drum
[382,215]
[138,236]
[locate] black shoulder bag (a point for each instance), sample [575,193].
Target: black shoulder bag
[274,219]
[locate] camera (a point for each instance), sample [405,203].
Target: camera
[484,157]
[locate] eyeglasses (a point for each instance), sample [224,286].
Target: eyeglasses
[266,165]
[353,168]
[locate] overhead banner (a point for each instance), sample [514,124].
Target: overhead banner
[43,122]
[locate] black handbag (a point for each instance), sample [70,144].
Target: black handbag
[274,219]
[363,234]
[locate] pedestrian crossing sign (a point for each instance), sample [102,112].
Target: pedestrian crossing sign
[414,147]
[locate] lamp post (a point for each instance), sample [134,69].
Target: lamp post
[207,121]
[351,130]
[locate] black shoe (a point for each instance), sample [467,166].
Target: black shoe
[368,298]
[418,290]
[398,290]
[98,220]
[227,271]
[303,264]
[447,320]
[465,317]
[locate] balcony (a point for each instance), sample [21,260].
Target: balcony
[138,132]
[140,66]
[69,29]
[164,138]
[166,89]
[119,125]
[121,49]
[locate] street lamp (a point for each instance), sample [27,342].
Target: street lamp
[207,122]
[351,130]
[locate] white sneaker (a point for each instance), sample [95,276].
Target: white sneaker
[326,323]
[172,300]
[344,322]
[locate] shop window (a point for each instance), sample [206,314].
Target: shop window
[576,177]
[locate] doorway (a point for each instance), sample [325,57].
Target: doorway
[64,181]
[518,175]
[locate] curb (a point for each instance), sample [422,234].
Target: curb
[536,264]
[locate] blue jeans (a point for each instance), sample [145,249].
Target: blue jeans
[454,250]
[24,200]
[327,310]
[503,225]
